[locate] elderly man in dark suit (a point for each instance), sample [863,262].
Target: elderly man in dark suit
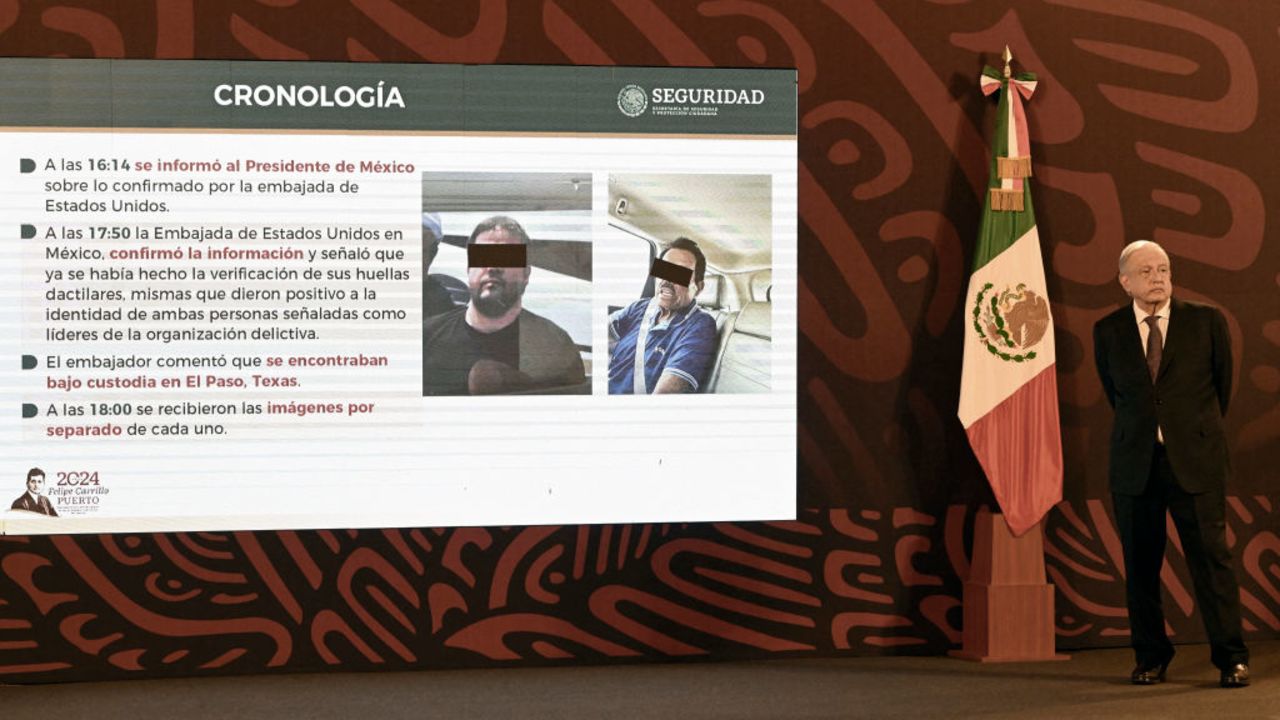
[32,500]
[1165,365]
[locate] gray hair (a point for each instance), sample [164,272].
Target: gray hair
[1134,247]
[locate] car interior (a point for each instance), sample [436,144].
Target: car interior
[730,218]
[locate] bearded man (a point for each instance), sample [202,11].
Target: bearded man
[494,345]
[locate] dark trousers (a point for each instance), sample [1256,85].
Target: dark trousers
[1201,523]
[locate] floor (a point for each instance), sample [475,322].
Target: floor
[1091,684]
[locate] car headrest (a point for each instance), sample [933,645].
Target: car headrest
[755,318]
[712,291]
[760,284]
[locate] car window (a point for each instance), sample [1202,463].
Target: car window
[623,261]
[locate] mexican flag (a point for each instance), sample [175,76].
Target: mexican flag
[1009,388]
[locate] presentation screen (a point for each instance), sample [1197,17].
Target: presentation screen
[249,295]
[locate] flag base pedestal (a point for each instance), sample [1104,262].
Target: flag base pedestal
[1008,606]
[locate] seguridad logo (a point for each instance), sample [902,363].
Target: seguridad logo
[634,101]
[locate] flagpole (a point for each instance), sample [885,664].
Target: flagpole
[1010,385]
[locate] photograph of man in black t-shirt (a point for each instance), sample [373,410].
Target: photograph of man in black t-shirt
[493,345]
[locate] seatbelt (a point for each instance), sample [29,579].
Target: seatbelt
[637,379]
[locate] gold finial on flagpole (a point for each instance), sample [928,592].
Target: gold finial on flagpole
[1008,58]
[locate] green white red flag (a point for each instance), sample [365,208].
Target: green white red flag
[1009,387]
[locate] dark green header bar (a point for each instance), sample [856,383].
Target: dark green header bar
[39,92]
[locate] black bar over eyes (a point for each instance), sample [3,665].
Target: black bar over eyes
[501,255]
[671,272]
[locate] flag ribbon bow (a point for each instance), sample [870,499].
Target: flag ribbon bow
[1011,148]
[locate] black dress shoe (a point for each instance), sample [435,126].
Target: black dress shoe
[1235,676]
[1153,674]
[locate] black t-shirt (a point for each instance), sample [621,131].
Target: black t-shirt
[531,354]
[451,347]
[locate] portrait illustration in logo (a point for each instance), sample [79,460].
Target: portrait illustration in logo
[632,101]
[1011,321]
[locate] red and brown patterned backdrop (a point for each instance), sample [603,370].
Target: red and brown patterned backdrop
[1150,121]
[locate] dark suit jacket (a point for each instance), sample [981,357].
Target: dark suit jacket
[1187,399]
[43,506]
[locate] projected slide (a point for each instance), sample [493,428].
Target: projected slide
[316,295]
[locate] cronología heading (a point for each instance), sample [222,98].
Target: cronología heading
[343,96]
